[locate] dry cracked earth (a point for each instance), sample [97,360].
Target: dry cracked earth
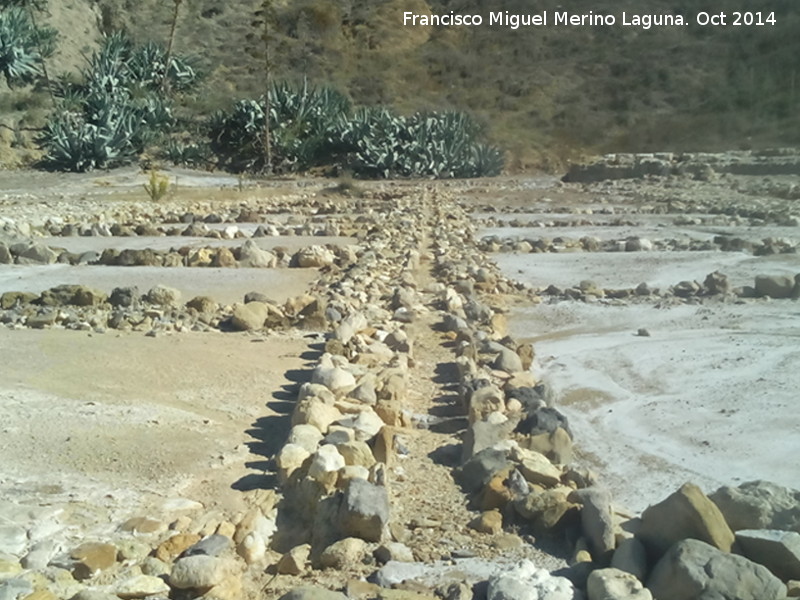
[465,389]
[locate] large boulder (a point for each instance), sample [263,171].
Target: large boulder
[717,283]
[199,571]
[631,557]
[613,584]
[777,550]
[91,558]
[547,511]
[250,316]
[364,511]
[124,296]
[344,554]
[312,592]
[694,570]
[313,256]
[484,401]
[536,468]
[163,296]
[335,379]
[295,561]
[365,425]
[543,420]
[688,513]
[759,505]
[37,254]
[12,299]
[306,436]
[474,474]
[223,257]
[250,255]
[325,466]
[526,581]
[509,361]
[316,412]
[774,286]
[485,434]
[77,295]
[597,521]
[289,459]
[5,255]
[141,586]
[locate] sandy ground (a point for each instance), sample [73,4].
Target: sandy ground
[653,228]
[709,397]
[98,428]
[629,269]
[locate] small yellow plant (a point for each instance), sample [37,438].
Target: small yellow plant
[158,186]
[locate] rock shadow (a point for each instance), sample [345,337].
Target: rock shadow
[269,433]
[448,455]
[446,374]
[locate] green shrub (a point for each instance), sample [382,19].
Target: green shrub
[73,144]
[186,154]
[439,145]
[310,127]
[237,137]
[300,122]
[122,64]
[299,128]
[37,4]
[118,109]
[157,186]
[23,46]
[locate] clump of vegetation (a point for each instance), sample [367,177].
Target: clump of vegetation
[311,127]
[378,143]
[157,186]
[118,109]
[23,46]
[300,122]
[37,4]
[187,154]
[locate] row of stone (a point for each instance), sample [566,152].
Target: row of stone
[159,310]
[703,166]
[197,229]
[249,255]
[93,217]
[715,285]
[517,448]
[620,221]
[335,468]
[515,456]
[766,247]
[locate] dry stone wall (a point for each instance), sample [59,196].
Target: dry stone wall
[417,259]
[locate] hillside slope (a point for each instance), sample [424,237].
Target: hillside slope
[544,93]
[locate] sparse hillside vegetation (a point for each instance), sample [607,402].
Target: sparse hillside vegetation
[542,94]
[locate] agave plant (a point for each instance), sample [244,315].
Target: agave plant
[237,137]
[315,126]
[186,154]
[37,4]
[147,66]
[116,112]
[107,71]
[23,46]
[300,123]
[72,144]
[380,144]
